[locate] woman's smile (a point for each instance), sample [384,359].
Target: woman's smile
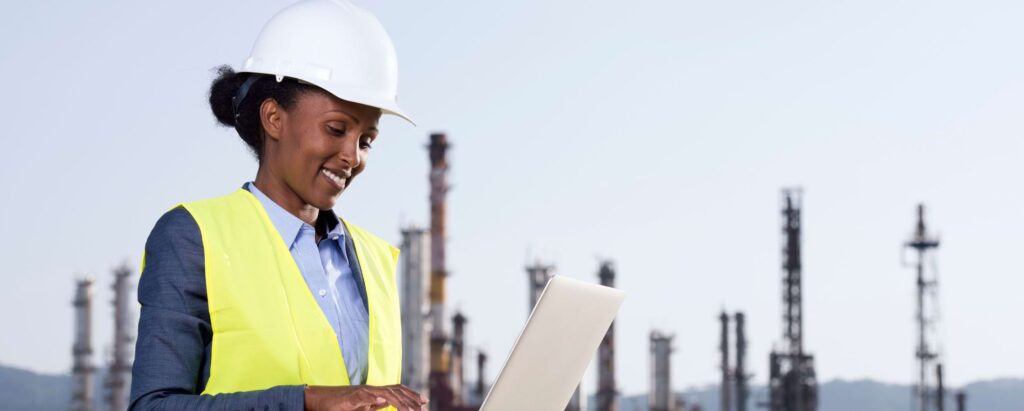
[337,180]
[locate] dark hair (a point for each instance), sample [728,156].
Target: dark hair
[247,121]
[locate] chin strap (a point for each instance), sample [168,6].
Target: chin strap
[236,101]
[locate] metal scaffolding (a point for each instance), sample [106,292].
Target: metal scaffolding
[792,383]
[925,396]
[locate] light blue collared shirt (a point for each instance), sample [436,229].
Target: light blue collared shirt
[325,267]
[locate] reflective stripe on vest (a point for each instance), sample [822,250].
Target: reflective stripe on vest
[267,327]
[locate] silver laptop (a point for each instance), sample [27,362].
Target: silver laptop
[552,352]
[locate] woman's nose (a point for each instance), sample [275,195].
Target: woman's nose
[349,152]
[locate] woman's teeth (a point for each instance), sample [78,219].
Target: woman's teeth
[334,177]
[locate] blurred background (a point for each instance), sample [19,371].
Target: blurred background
[649,137]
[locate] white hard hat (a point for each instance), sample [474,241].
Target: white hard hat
[334,45]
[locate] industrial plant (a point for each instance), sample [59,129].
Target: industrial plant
[792,383]
[437,358]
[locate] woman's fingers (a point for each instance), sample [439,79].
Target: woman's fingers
[398,400]
[363,398]
[416,398]
[375,403]
[410,400]
[401,397]
[420,398]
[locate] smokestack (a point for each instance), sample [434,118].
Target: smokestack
[458,342]
[440,391]
[481,382]
[961,401]
[538,275]
[659,397]
[740,374]
[606,391]
[725,389]
[576,401]
[415,307]
[119,372]
[83,369]
[940,393]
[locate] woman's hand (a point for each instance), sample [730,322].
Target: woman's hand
[363,398]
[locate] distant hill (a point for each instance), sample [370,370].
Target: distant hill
[31,391]
[1005,394]
[27,390]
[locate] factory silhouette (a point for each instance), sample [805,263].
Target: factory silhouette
[436,355]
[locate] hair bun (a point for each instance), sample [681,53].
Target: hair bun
[222,91]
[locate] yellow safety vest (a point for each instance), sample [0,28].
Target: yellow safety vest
[267,327]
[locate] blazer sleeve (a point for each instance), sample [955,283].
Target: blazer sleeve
[172,352]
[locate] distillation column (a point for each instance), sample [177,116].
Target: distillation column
[606,391]
[740,373]
[120,370]
[481,382]
[83,369]
[659,396]
[725,391]
[538,275]
[415,307]
[457,368]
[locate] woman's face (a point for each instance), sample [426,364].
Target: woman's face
[319,145]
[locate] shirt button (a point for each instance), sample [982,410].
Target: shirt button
[323,293]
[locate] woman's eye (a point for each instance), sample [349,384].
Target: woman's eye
[365,143]
[336,131]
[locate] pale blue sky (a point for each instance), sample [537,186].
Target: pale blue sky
[653,133]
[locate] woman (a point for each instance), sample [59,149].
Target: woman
[264,299]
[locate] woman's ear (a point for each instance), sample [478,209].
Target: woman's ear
[270,118]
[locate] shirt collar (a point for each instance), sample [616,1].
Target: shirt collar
[289,225]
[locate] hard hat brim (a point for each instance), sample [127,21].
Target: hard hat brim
[348,93]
